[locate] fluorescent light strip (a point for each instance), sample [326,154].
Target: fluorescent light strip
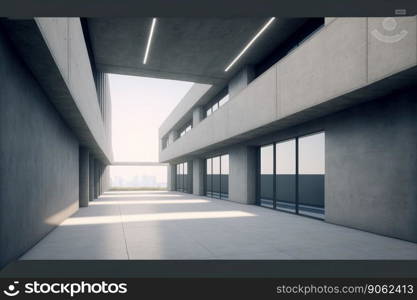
[148,46]
[250,43]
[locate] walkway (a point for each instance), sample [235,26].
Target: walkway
[169,225]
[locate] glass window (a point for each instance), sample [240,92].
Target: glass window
[181,177]
[285,178]
[208,177]
[224,181]
[208,112]
[291,185]
[311,172]
[215,106]
[224,100]
[267,176]
[216,177]
[185,176]
[178,178]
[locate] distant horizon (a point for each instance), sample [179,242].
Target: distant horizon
[139,106]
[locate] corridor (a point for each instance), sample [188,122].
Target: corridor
[170,225]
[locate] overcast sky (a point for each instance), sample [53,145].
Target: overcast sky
[139,106]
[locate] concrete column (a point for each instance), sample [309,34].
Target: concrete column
[96,179]
[83,177]
[91,178]
[198,176]
[241,80]
[197,115]
[106,179]
[242,174]
[171,176]
[100,179]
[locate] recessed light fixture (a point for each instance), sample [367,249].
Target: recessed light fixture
[250,43]
[148,45]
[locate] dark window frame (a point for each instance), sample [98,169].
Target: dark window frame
[209,192]
[258,169]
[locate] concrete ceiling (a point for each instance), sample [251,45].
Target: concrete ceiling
[191,49]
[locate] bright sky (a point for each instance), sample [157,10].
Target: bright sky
[139,106]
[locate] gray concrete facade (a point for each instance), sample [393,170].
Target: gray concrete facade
[55,121]
[39,159]
[341,79]
[305,85]
[371,167]
[367,113]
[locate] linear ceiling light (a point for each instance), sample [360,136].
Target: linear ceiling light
[148,45]
[250,43]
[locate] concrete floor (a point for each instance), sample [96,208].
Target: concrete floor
[169,225]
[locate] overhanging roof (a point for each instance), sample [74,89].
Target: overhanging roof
[190,49]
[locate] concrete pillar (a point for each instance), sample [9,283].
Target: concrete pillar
[106,180]
[241,80]
[242,174]
[171,177]
[96,179]
[91,179]
[83,177]
[198,115]
[198,176]
[100,176]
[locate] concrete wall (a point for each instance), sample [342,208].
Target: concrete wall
[65,40]
[370,163]
[301,83]
[180,111]
[39,160]
[371,167]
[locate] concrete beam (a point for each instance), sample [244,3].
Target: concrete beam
[138,163]
[54,50]
[306,84]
